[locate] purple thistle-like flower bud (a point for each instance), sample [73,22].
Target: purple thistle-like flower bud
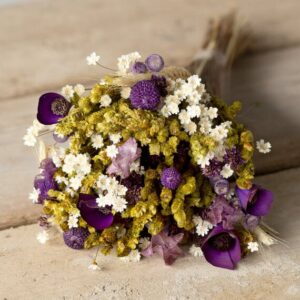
[170,178]
[233,158]
[220,185]
[154,63]
[75,237]
[145,95]
[139,67]
[213,169]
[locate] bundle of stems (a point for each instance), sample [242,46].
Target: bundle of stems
[226,39]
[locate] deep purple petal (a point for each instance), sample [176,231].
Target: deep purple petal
[222,258]
[91,213]
[262,203]
[45,113]
[245,195]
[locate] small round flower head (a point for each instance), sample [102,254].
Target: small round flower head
[75,237]
[138,67]
[59,138]
[154,63]
[145,95]
[170,178]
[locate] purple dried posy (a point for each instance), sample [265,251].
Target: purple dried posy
[255,201]
[90,212]
[170,178]
[222,248]
[154,63]
[145,95]
[139,67]
[51,108]
[75,237]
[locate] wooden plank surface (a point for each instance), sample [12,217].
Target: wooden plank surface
[53,271]
[44,43]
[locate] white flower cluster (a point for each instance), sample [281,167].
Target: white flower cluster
[73,219]
[252,246]
[30,138]
[92,59]
[68,90]
[137,168]
[57,154]
[42,237]
[197,115]
[196,251]
[111,193]
[105,101]
[125,62]
[34,195]
[202,226]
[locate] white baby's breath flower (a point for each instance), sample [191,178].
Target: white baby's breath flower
[173,108]
[102,182]
[196,251]
[61,179]
[115,137]
[75,182]
[34,195]
[190,128]
[105,101]
[184,117]
[194,111]
[126,61]
[165,111]
[42,237]
[133,256]
[211,112]
[112,151]
[94,266]
[263,147]
[202,226]
[125,92]
[226,171]
[79,89]
[205,125]
[73,220]
[194,81]
[219,132]
[67,91]
[30,138]
[92,59]
[252,246]
[79,163]
[203,161]
[119,204]
[97,141]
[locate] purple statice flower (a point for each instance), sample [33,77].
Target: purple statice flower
[233,158]
[75,237]
[255,201]
[161,83]
[222,212]
[138,67]
[166,246]
[51,108]
[213,169]
[91,213]
[220,185]
[44,183]
[134,183]
[170,178]
[154,63]
[128,153]
[145,95]
[222,248]
[47,167]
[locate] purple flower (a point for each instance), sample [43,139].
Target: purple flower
[47,167]
[222,248]
[154,63]
[134,183]
[213,169]
[170,178]
[255,201]
[233,158]
[128,153]
[166,246]
[59,139]
[90,212]
[161,84]
[221,212]
[75,237]
[139,67]
[51,108]
[220,185]
[145,95]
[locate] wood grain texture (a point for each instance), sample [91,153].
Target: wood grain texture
[44,43]
[54,271]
